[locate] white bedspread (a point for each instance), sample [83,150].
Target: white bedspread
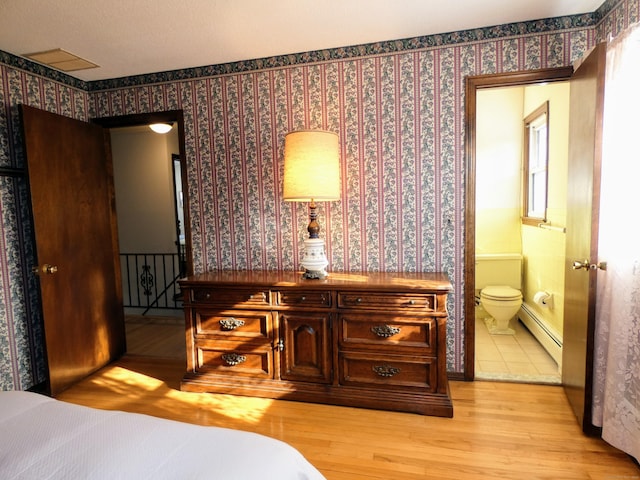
[43,438]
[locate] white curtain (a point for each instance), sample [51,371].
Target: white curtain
[617,344]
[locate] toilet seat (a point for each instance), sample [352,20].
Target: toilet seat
[501,293]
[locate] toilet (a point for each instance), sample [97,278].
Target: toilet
[499,279]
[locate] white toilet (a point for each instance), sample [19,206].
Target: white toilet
[499,279]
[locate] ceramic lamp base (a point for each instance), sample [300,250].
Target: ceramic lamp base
[314,261]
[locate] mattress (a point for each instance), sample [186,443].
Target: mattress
[43,438]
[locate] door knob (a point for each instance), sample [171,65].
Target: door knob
[45,269]
[586,265]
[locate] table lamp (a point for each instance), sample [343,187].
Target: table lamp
[312,173]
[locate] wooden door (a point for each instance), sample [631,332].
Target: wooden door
[583,198]
[71,184]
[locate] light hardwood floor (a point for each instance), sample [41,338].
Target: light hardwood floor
[499,430]
[156,336]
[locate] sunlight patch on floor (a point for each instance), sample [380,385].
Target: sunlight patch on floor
[136,387]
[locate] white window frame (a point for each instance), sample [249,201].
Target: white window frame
[536,166]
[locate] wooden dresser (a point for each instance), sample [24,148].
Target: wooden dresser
[374,340]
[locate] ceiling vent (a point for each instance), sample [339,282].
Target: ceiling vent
[61,60]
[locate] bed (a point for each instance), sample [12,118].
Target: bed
[43,438]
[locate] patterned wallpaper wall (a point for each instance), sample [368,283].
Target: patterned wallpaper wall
[398,108]
[21,344]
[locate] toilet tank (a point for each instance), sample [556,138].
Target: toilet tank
[499,269]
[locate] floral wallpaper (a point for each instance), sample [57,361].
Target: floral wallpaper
[398,108]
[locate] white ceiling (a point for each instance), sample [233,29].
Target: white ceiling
[130,37]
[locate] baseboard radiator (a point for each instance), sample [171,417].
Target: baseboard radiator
[549,340]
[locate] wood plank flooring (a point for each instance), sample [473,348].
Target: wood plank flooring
[155,336]
[499,430]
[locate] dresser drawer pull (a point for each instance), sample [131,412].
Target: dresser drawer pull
[359,300]
[231,323]
[385,331]
[233,358]
[386,370]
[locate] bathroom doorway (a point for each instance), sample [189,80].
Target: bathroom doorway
[493,225]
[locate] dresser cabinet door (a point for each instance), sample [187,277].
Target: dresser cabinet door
[305,347]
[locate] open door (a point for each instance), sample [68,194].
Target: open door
[71,185]
[583,200]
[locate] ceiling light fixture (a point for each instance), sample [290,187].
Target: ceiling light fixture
[161,127]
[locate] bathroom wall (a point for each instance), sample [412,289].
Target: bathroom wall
[499,170]
[544,249]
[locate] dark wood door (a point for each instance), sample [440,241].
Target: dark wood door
[583,197]
[73,204]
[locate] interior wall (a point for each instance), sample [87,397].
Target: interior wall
[399,114]
[399,117]
[499,139]
[22,359]
[143,181]
[544,249]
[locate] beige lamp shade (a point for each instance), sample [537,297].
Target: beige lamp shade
[311,166]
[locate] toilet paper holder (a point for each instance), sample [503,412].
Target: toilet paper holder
[543,299]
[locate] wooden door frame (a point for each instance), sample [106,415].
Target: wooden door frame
[176,117]
[472,85]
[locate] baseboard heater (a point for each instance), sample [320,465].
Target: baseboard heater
[549,340]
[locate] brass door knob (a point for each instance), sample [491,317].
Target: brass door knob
[45,269]
[586,265]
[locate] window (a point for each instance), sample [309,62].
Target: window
[536,157]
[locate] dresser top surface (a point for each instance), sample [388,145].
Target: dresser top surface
[407,281]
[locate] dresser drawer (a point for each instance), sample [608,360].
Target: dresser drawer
[386,332]
[297,298]
[235,361]
[386,370]
[238,298]
[382,300]
[234,324]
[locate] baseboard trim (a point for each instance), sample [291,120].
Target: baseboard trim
[549,340]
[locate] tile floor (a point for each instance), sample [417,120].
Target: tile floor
[516,358]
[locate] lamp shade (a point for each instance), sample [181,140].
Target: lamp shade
[311,166]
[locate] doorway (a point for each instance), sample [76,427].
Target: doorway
[152,228]
[476,170]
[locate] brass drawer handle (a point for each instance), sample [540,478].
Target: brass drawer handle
[386,370]
[359,300]
[385,331]
[231,323]
[232,359]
